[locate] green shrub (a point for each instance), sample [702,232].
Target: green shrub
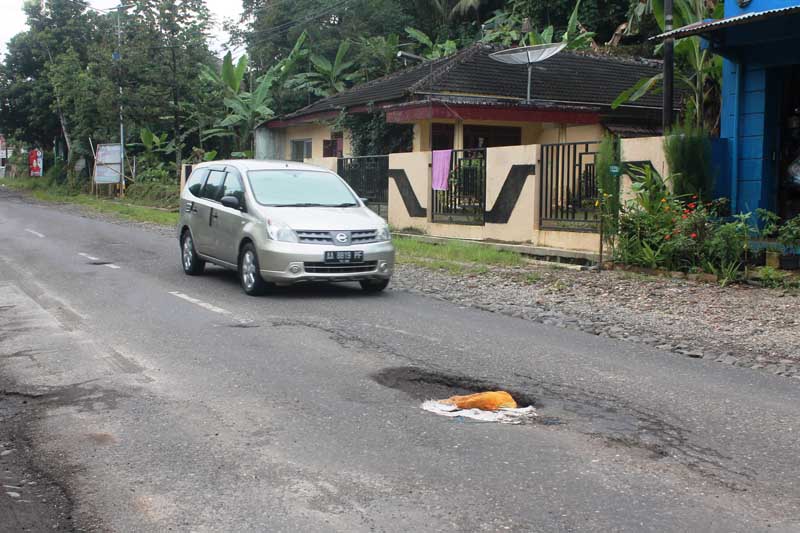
[688,152]
[608,186]
[789,234]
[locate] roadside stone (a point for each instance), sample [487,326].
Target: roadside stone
[695,354]
[13,494]
[6,452]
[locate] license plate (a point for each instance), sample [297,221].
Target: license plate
[344,257]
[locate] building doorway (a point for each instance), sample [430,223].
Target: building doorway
[789,160]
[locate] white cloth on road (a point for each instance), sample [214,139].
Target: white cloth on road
[519,415]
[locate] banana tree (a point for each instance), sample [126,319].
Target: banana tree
[247,109]
[504,30]
[699,71]
[431,49]
[378,54]
[328,78]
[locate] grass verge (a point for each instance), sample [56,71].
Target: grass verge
[454,257]
[121,209]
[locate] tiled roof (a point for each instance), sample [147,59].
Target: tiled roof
[570,78]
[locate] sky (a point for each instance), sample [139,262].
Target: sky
[14,18]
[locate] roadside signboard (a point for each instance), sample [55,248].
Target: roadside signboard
[108,164]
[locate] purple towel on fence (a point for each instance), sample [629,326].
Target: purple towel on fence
[441,169]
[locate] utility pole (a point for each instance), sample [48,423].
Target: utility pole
[669,69]
[118,59]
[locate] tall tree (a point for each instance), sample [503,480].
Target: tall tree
[172,35]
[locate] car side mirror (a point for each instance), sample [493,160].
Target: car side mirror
[364,200]
[231,202]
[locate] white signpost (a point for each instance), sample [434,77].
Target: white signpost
[108,164]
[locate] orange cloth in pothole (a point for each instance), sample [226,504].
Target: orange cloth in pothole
[485,401]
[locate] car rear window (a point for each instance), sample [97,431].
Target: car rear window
[195,181]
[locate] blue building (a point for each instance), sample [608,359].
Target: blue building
[760,43]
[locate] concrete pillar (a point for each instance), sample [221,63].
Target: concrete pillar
[458,140]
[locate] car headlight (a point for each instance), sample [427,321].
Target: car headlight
[278,231]
[383,233]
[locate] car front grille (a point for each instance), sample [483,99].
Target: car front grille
[363,237]
[326,237]
[315,237]
[352,268]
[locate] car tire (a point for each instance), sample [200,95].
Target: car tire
[249,272]
[192,264]
[373,286]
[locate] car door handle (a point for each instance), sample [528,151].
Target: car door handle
[190,208]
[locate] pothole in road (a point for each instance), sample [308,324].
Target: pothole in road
[243,325]
[427,385]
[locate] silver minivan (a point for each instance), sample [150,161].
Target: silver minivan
[280,222]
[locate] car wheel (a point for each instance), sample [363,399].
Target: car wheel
[249,271]
[374,286]
[192,264]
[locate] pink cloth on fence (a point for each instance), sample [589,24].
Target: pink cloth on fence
[441,169]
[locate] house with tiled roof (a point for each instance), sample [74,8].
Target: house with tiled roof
[468,100]
[521,166]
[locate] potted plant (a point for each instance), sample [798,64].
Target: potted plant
[768,231]
[789,237]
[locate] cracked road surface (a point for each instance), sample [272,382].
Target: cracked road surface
[161,402]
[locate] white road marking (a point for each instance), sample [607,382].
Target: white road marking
[204,305]
[112,266]
[41,236]
[89,257]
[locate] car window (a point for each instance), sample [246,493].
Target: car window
[213,186]
[195,181]
[233,187]
[305,188]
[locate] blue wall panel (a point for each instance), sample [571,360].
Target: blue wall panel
[732,8]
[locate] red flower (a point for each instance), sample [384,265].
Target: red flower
[692,205]
[694,197]
[667,237]
[684,217]
[693,235]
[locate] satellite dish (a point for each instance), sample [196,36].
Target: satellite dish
[528,55]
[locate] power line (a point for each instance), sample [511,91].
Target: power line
[290,24]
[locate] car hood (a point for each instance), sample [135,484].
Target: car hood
[324,218]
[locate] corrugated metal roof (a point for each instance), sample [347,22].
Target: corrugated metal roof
[699,28]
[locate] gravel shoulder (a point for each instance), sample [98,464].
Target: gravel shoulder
[738,325]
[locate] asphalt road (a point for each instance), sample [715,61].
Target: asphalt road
[164,402]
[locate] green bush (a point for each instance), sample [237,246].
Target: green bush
[688,152]
[789,234]
[659,229]
[608,185]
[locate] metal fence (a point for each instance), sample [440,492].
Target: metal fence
[568,185]
[369,177]
[464,201]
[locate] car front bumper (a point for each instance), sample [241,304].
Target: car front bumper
[288,263]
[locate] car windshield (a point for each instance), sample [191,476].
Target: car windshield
[300,188]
